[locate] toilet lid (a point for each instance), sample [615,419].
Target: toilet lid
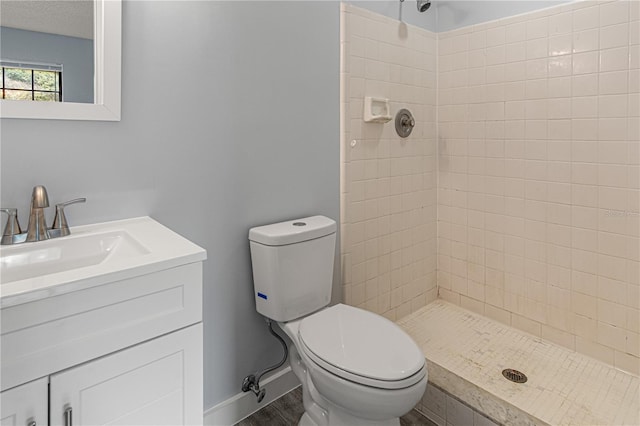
[361,343]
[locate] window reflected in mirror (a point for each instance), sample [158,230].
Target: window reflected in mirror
[31,82]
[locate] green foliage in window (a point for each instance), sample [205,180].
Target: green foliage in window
[45,80]
[16,78]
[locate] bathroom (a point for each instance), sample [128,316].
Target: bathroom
[264,138]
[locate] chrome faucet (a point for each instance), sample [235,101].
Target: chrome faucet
[37,229]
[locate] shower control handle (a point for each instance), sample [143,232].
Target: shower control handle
[404,123]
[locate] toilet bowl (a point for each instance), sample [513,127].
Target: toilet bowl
[364,368]
[355,367]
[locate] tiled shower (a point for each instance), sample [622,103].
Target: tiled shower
[388,184]
[517,195]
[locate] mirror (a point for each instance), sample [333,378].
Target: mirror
[47,46]
[65,51]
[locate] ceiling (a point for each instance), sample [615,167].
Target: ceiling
[72,18]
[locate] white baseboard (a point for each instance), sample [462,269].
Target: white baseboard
[239,406]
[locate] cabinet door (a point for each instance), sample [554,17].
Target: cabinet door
[25,405]
[154,383]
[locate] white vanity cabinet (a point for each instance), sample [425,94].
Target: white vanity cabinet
[154,383]
[25,405]
[122,347]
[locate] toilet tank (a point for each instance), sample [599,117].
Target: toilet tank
[293,266]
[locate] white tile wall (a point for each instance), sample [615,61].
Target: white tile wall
[388,184]
[538,195]
[538,169]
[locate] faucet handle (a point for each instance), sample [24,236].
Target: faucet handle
[60,221]
[12,227]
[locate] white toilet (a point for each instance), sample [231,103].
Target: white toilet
[356,367]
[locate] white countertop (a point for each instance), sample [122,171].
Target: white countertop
[164,249]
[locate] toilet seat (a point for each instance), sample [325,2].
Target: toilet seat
[361,347]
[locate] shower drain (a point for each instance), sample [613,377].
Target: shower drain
[514,375]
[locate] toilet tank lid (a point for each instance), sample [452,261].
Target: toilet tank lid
[293,231]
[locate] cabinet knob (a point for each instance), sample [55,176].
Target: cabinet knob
[31,423]
[68,416]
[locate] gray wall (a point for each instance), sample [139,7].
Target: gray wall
[230,119]
[75,55]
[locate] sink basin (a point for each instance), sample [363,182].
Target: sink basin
[63,254]
[91,256]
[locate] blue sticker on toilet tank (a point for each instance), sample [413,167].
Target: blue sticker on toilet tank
[264,296]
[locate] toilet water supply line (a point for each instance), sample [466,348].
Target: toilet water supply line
[252,381]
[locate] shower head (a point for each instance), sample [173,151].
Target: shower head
[423,5]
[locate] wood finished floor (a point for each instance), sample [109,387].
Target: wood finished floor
[287,410]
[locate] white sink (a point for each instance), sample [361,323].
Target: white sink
[92,255]
[63,254]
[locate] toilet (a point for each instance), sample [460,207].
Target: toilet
[356,367]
